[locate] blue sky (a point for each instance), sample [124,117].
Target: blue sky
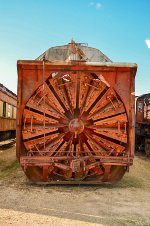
[118,28]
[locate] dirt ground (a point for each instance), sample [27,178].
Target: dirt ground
[125,203]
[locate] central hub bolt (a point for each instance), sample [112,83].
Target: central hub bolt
[76,126]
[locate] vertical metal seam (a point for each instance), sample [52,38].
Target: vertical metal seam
[44,99]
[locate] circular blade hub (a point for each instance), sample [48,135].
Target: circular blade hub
[76,126]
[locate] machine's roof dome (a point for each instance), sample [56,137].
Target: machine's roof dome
[74,51]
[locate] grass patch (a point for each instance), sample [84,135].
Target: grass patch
[130,222]
[10,168]
[130,181]
[126,182]
[2,161]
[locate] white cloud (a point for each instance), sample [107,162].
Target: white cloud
[91,3]
[97,5]
[148,43]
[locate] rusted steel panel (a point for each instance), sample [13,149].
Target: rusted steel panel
[147,112]
[143,109]
[140,111]
[7,124]
[75,121]
[143,123]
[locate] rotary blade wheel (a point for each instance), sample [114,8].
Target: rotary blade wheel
[75,119]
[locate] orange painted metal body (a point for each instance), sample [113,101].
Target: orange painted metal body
[75,121]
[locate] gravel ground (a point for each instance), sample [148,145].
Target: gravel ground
[126,203]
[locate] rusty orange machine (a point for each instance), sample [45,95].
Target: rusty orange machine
[76,118]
